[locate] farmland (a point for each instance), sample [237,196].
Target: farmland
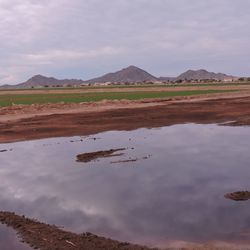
[74,119]
[10,99]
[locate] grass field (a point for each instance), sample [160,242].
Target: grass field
[13,99]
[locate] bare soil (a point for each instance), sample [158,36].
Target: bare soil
[124,161]
[87,157]
[238,196]
[43,236]
[22,122]
[47,237]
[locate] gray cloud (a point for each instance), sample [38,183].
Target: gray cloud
[86,38]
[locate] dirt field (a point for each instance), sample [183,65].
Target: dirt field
[29,122]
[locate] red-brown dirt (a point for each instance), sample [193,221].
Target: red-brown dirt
[236,111]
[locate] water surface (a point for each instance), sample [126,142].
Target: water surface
[177,193]
[9,240]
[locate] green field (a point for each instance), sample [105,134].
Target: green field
[14,99]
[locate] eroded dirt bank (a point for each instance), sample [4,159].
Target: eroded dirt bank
[234,111]
[43,236]
[47,237]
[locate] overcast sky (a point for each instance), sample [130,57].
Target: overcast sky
[87,38]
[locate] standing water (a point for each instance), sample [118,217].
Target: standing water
[9,240]
[168,185]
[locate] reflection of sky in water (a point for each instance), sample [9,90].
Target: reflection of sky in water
[9,240]
[177,194]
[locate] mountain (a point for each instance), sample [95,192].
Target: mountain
[130,74]
[40,80]
[7,86]
[203,75]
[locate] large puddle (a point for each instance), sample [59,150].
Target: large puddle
[174,191]
[9,240]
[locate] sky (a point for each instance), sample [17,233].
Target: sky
[87,38]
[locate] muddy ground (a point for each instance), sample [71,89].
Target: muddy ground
[92,156]
[43,236]
[232,110]
[21,122]
[238,196]
[47,237]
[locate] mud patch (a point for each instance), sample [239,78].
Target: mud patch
[124,161]
[238,196]
[130,160]
[46,237]
[94,138]
[88,157]
[6,150]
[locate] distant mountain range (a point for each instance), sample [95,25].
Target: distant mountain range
[135,74]
[40,80]
[130,74]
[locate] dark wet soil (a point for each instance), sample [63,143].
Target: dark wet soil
[47,237]
[233,111]
[124,161]
[131,160]
[88,157]
[238,196]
